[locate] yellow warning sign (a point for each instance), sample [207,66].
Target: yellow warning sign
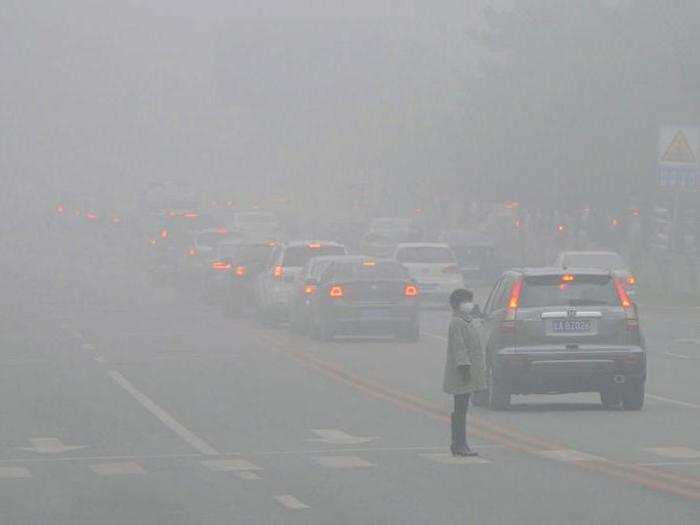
[679,150]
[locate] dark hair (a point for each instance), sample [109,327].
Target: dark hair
[460,296]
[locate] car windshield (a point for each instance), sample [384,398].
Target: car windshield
[298,256]
[425,254]
[608,260]
[584,290]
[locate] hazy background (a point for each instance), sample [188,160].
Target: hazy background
[549,99]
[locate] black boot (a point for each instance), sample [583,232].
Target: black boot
[455,434]
[459,436]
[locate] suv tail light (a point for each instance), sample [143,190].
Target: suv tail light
[336,292]
[240,271]
[453,268]
[278,272]
[221,265]
[410,290]
[508,323]
[310,289]
[627,306]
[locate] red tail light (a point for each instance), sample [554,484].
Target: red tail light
[191,215]
[91,216]
[451,269]
[278,272]
[221,265]
[240,271]
[310,289]
[222,231]
[192,252]
[314,245]
[336,292]
[626,303]
[60,209]
[410,290]
[164,233]
[508,323]
[631,280]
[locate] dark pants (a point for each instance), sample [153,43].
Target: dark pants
[461,403]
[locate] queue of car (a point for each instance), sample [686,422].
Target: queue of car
[572,327]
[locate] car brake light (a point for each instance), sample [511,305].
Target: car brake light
[451,269]
[60,209]
[91,216]
[192,252]
[314,245]
[221,265]
[631,280]
[410,290]
[309,289]
[336,292]
[278,272]
[561,228]
[240,271]
[369,264]
[567,278]
[164,233]
[508,323]
[191,215]
[222,231]
[627,306]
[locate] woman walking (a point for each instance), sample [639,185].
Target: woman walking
[465,365]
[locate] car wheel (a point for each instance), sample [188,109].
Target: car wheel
[499,397]
[609,398]
[633,396]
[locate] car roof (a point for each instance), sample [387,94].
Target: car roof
[422,245]
[306,243]
[339,258]
[590,252]
[549,270]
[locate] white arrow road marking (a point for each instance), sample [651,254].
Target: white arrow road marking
[290,502]
[50,445]
[14,473]
[335,436]
[169,421]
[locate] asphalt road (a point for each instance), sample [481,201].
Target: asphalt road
[124,402]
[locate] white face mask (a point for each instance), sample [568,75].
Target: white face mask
[466,308]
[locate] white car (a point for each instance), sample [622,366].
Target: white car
[276,284]
[433,266]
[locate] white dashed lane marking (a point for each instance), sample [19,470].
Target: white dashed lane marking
[343,462]
[169,421]
[673,401]
[116,469]
[248,475]
[290,502]
[569,455]
[676,452]
[14,473]
[230,465]
[449,459]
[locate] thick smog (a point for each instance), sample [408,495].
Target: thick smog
[369,262]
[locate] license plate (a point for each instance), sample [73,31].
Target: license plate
[572,326]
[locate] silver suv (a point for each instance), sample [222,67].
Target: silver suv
[556,331]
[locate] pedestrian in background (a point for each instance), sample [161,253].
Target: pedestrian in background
[465,370]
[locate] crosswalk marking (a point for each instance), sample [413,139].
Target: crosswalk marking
[676,452]
[248,475]
[569,455]
[449,459]
[229,465]
[14,473]
[290,502]
[343,462]
[111,469]
[336,436]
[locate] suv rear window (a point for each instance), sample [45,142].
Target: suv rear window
[381,270]
[425,254]
[300,255]
[584,290]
